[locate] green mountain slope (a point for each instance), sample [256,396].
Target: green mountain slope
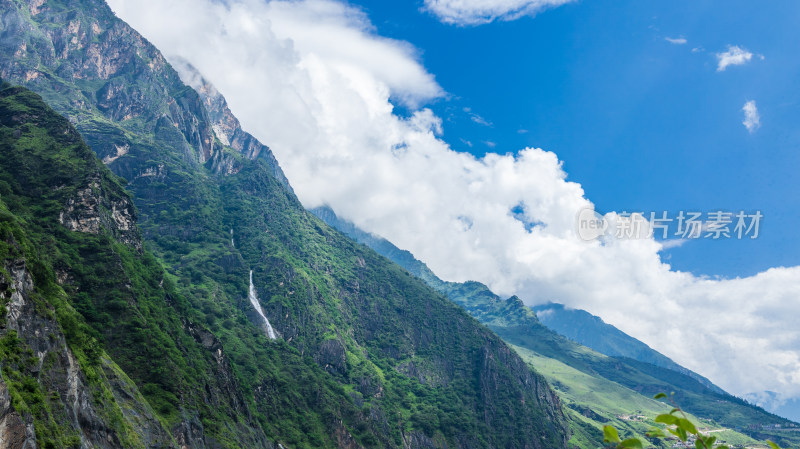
[59,387]
[593,401]
[368,355]
[518,325]
[591,331]
[83,226]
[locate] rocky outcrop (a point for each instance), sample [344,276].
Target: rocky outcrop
[331,356]
[80,408]
[14,432]
[136,85]
[90,210]
[55,50]
[418,440]
[435,374]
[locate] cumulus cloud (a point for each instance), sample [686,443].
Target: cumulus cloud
[507,220]
[676,40]
[752,121]
[735,55]
[476,12]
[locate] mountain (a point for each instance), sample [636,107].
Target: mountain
[620,380]
[577,325]
[169,273]
[582,327]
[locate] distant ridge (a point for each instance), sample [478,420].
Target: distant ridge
[591,331]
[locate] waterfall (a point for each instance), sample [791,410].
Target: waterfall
[256,305]
[233,245]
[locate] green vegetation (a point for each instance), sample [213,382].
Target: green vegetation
[677,426]
[593,402]
[27,397]
[34,384]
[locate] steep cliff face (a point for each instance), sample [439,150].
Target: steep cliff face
[89,210]
[50,398]
[369,357]
[115,87]
[59,387]
[94,68]
[226,126]
[89,257]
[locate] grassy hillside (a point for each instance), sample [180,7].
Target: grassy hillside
[593,401]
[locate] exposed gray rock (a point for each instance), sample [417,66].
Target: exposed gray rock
[227,127]
[331,356]
[91,211]
[14,433]
[59,373]
[418,440]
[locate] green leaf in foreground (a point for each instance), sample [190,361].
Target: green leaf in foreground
[667,419]
[687,425]
[610,435]
[630,443]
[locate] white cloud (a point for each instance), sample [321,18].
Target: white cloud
[672,243]
[676,40]
[325,111]
[752,121]
[476,12]
[735,55]
[477,118]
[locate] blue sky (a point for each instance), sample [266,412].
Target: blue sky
[643,124]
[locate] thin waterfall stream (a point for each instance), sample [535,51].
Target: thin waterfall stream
[257,305]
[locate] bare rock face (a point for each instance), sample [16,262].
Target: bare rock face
[134,81]
[14,433]
[227,127]
[90,210]
[134,85]
[418,440]
[331,356]
[59,375]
